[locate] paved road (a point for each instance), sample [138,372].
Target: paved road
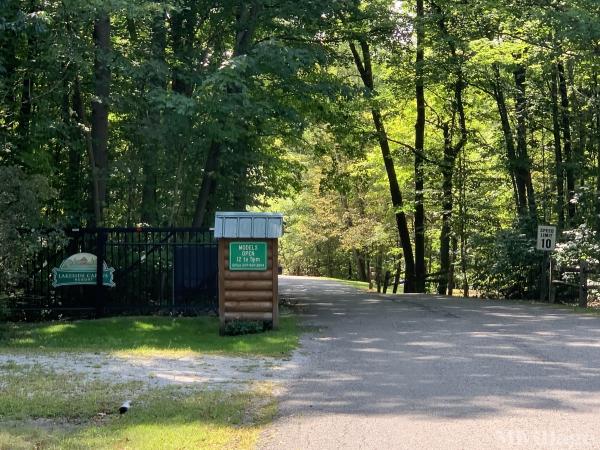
[422,372]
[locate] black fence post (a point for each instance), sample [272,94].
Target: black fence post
[100,256]
[583,281]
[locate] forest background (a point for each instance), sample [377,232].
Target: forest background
[428,138]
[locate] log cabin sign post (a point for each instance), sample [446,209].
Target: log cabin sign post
[248,263]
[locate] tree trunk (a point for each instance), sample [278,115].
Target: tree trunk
[559,170]
[566,126]
[100,107]
[242,195]
[397,203]
[451,276]
[447,203]
[578,125]
[518,182]
[420,270]
[451,152]
[183,28]
[360,265]
[378,269]
[462,235]
[397,276]
[246,20]
[72,117]
[363,64]
[524,164]
[27,87]
[25,113]
[209,181]
[596,122]
[154,144]
[358,256]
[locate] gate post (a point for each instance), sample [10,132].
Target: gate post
[248,267]
[100,256]
[583,289]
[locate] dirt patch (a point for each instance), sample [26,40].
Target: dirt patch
[212,372]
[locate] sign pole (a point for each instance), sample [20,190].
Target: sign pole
[543,285]
[546,241]
[550,289]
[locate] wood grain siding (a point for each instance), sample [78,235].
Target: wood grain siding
[248,295]
[248,285]
[247,306]
[248,316]
[240,276]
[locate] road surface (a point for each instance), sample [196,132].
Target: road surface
[426,372]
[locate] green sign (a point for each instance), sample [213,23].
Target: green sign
[248,256]
[80,269]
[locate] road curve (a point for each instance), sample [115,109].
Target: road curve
[428,372]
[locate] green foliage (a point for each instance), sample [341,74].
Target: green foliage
[273,86]
[21,201]
[581,243]
[508,265]
[239,327]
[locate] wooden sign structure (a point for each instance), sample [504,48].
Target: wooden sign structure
[248,266]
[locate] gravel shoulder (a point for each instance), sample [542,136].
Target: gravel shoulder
[211,372]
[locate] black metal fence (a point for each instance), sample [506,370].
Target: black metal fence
[157,270]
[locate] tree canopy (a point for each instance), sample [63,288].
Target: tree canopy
[428,138]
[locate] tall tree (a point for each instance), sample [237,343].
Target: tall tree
[568,145]
[420,268]
[457,124]
[558,157]
[246,22]
[523,160]
[362,61]
[154,142]
[100,108]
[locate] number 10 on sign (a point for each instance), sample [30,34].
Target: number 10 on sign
[546,239]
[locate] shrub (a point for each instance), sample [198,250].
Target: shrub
[506,265]
[21,222]
[238,327]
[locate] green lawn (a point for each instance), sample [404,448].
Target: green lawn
[363,284]
[45,410]
[147,335]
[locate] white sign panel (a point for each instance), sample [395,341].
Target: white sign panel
[546,238]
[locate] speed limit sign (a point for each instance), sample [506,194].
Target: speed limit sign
[546,239]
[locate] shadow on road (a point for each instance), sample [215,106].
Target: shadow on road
[439,357]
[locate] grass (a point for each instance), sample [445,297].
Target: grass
[45,410]
[561,306]
[37,393]
[572,308]
[147,335]
[363,285]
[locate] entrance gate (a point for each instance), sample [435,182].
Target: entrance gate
[157,270]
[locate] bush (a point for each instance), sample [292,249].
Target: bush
[507,265]
[238,327]
[4,310]
[21,221]
[579,243]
